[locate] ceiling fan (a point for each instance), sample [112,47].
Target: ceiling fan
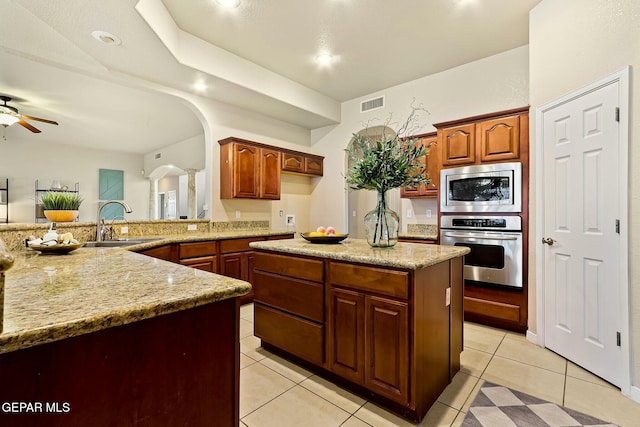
[9,115]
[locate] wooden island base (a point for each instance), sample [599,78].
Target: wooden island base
[176,369]
[390,334]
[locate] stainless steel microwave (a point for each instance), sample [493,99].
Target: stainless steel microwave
[495,187]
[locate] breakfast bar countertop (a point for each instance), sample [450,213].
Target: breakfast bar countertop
[53,297]
[412,256]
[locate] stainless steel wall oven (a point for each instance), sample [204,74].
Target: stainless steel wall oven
[496,243]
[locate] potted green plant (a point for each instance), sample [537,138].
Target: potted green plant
[61,206]
[381,163]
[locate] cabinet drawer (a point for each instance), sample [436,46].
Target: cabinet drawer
[206,263]
[295,296]
[313,165]
[499,310]
[370,279]
[197,249]
[162,252]
[297,336]
[302,268]
[237,245]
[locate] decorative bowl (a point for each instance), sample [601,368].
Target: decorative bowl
[324,239]
[61,216]
[60,248]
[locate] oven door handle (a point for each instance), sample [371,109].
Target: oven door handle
[482,237]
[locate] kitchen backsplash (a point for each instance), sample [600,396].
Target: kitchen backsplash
[14,236]
[427,229]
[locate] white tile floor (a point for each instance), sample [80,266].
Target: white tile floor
[275,392]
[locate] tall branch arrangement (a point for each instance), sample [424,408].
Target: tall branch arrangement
[388,161]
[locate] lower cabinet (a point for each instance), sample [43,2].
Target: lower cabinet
[368,342]
[200,255]
[390,333]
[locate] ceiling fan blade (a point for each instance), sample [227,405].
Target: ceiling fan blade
[28,126]
[51,122]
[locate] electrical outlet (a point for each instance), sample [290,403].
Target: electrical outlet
[237,214]
[124,230]
[281,213]
[428,213]
[354,214]
[192,227]
[409,213]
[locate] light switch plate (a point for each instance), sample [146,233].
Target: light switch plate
[409,213]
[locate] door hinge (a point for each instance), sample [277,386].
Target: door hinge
[618,226]
[617,114]
[618,339]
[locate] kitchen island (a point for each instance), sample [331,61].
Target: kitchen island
[384,322]
[112,337]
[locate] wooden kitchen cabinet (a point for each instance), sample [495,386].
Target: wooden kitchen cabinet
[248,170]
[165,252]
[386,332]
[200,255]
[432,169]
[269,182]
[488,138]
[301,163]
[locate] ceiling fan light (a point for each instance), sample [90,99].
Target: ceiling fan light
[8,119]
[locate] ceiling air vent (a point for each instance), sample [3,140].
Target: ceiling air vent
[158,155]
[372,104]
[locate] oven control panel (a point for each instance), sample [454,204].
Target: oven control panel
[504,223]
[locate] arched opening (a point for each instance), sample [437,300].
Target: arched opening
[359,202]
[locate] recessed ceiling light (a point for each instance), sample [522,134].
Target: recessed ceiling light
[106,38]
[324,59]
[199,86]
[228,3]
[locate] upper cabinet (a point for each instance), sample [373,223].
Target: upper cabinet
[488,138]
[432,169]
[301,163]
[252,170]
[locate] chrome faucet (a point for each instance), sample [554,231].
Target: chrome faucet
[100,227]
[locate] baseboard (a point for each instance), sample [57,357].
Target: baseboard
[634,393]
[533,337]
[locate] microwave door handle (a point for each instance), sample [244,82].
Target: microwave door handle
[475,236]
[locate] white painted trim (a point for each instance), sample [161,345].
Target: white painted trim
[622,77]
[532,337]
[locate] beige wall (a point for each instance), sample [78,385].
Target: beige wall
[573,43]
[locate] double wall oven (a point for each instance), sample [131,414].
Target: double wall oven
[480,206]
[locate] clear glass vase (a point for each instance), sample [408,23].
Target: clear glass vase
[381,225]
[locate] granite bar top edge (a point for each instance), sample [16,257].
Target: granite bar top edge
[412,256]
[418,236]
[38,313]
[203,237]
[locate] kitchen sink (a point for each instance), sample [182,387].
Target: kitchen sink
[120,242]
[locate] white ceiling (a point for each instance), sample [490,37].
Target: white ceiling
[258,56]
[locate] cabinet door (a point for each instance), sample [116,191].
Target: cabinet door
[387,348]
[231,265]
[345,346]
[293,162]
[432,168]
[246,160]
[499,139]
[313,165]
[269,174]
[458,145]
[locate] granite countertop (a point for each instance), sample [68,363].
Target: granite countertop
[412,256]
[52,297]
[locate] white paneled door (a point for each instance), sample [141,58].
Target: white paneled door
[583,295]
